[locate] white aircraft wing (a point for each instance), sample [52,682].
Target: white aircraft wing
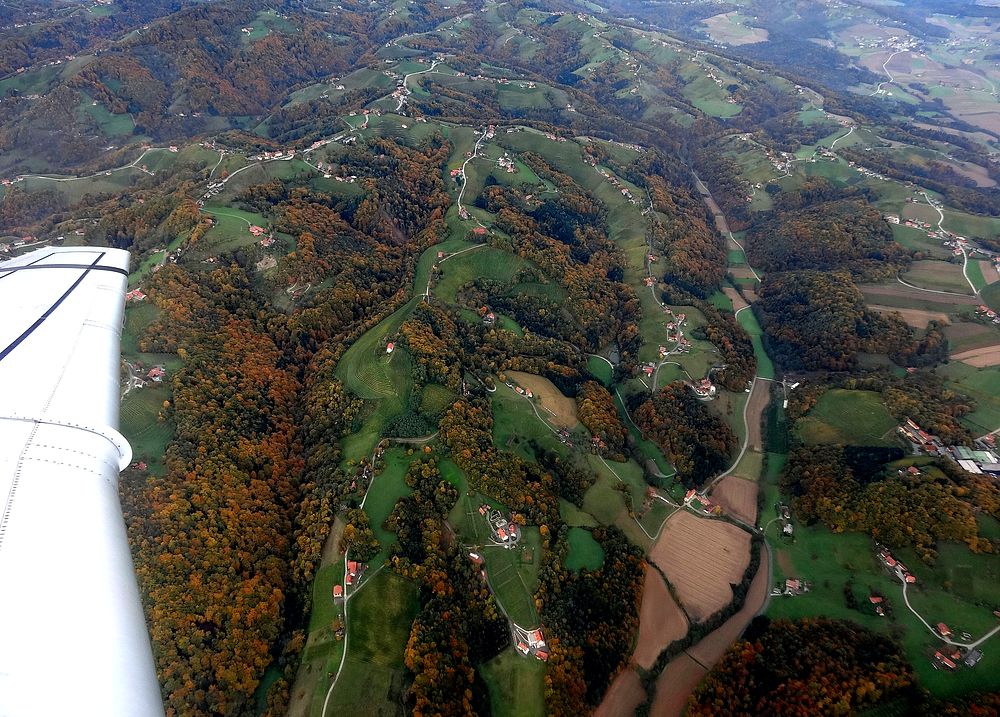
[73,639]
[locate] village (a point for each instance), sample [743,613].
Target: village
[979,459]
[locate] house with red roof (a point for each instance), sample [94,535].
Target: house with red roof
[542,655]
[338,591]
[943,630]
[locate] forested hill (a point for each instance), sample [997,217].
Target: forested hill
[473,348]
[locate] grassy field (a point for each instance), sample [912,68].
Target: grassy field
[486,263]
[140,424]
[849,417]
[584,553]
[515,684]
[379,618]
[939,275]
[386,490]
[982,384]
[600,369]
[514,576]
[947,591]
[382,379]
[765,367]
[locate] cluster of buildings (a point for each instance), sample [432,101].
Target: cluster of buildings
[704,389]
[351,578]
[693,496]
[506,163]
[502,531]
[893,565]
[134,296]
[785,517]
[531,642]
[791,587]
[526,392]
[981,458]
[865,172]
[617,184]
[989,314]
[489,318]
[949,656]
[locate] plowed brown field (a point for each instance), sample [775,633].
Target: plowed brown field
[660,620]
[701,558]
[738,497]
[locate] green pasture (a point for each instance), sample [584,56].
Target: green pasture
[485,263]
[385,491]
[600,369]
[917,240]
[975,272]
[373,681]
[383,379]
[516,685]
[938,275]
[748,320]
[140,424]
[513,576]
[847,417]
[983,385]
[575,517]
[111,125]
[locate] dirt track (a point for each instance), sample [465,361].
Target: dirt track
[738,497]
[980,358]
[701,558]
[660,620]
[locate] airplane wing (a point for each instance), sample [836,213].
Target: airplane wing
[73,639]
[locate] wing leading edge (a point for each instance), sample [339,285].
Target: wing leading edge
[73,638]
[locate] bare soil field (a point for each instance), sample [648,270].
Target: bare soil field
[980,358]
[989,270]
[676,683]
[738,497]
[660,620]
[906,292]
[710,650]
[682,674]
[701,558]
[561,409]
[624,695]
[741,272]
[750,295]
[738,301]
[918,318]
